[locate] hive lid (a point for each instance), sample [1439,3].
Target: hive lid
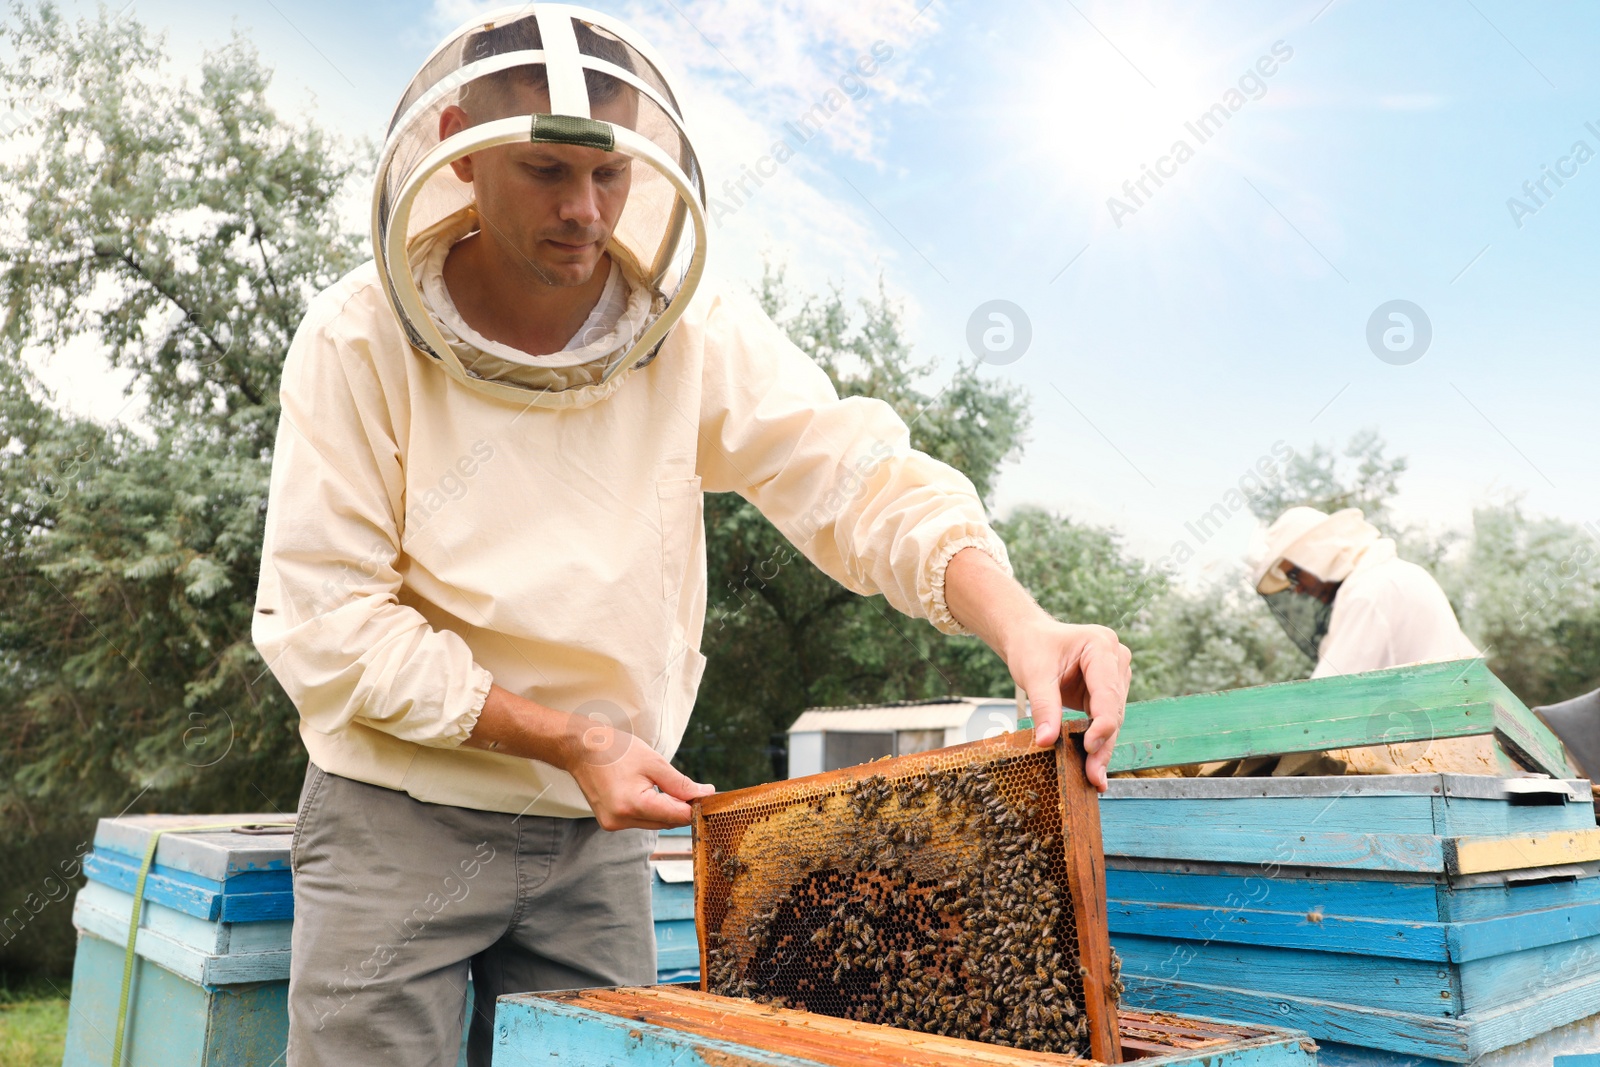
[214,854]
[1466,786]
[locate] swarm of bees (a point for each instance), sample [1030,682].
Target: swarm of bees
[982,949]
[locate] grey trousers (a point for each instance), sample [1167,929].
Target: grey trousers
[394,899]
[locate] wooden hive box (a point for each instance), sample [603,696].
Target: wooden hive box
[1399,919]
[958,891]
[211,964]
[211,972]
[675,1026]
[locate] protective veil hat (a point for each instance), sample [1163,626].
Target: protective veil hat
[1328,546]
[542,74]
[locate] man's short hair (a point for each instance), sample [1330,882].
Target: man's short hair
[492,91]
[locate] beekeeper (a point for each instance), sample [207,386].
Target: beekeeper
[1347,600]
[483,580]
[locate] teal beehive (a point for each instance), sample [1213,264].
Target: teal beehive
[1398,919]
[211,966]
[210,977]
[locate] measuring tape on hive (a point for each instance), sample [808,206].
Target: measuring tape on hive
[959,892]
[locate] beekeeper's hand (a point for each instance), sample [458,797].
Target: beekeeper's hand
[1057,664]
[627,783]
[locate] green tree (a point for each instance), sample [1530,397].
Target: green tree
[1213,638]
[782,636]
[180,228]
[1527,590]
[1362,476]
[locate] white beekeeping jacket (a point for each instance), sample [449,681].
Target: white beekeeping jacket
[425,538]
[1389,613]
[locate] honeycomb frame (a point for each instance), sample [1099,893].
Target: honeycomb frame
[959,891]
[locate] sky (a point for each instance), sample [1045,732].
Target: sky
[1223,230]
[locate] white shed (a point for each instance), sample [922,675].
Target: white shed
[825,739]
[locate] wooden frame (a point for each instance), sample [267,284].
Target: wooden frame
[1080,820]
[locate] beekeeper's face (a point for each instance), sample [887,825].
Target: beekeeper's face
[1307,584]
[550,209]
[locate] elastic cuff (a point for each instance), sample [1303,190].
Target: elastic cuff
[938,610]
[461,729]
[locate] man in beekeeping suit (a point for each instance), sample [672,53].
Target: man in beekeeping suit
[1349,602]
[483,580]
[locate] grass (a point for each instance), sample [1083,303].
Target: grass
[33,1022]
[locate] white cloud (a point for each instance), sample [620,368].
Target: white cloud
[744,72]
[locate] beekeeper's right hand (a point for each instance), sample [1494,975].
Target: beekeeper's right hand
[627,783]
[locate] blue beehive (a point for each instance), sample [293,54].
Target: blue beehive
[212,955]
[211,973]
[1406,919]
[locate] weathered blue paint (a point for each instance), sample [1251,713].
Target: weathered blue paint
[1473,817]
[247,882]
[1370,1018]
[1484,938]
[1393,832]
[1322,930]
[1283,847]
[1419,901]
[1508,979]
[1487,902]
[686,976]
[1374,899]
[1334,1054]
[1416,986]
[217,855]
[531,1032]
[1271,815]
[677,947]
[251,897]
[1325,1020]
[1300,929]
[671,900]
[203,935]
[172,1022]
[196,964]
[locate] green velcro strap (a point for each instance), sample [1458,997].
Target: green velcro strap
[569,129]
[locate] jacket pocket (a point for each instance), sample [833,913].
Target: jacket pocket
[683,685]
[679,499]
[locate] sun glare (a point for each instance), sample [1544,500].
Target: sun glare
[1108,102]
